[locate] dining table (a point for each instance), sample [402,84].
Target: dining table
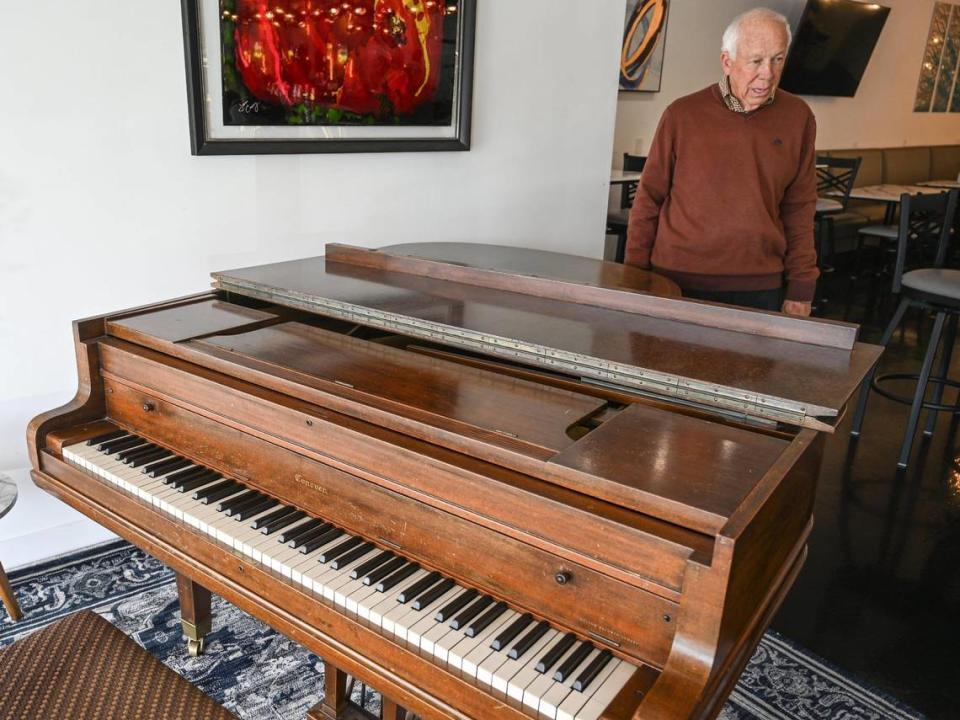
[622,177]
[890,194]
[944,184]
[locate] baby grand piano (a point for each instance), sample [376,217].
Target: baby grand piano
[491,483]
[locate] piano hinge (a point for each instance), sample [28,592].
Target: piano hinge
[658,383]
[605,640]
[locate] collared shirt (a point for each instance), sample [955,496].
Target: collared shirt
[731,100]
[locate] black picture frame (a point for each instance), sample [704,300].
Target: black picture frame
[209,135]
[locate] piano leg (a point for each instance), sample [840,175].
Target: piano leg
[336,703]
[391,711]
[194,613]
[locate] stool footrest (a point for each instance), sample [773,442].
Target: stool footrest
[926,405]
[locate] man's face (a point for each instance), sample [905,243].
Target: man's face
[755,72]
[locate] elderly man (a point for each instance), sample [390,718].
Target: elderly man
[728,195]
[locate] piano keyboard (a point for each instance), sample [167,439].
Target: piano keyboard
[529,664]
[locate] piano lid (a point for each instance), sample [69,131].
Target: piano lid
[581,317]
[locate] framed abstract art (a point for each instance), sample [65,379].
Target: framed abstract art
[313,76]
[644,40]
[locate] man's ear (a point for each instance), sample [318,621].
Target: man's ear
[725,62]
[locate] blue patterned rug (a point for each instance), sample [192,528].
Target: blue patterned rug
[261,675]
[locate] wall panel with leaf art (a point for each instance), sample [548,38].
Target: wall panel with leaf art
[939,89]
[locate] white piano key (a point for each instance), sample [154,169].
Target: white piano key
[572,704]
[433,635]
[482,650]
[342,576]
[377,611]
[466,645]
[403,625]
[315,574]
[551,700]
[391,616]
[417,631]
[606,692]
[500,681]
[542,683]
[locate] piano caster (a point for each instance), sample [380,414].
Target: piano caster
[195,617]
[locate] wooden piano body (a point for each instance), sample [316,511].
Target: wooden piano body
[567,468]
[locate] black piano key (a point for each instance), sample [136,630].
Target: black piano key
[310,541]
[421,586]
[207,490]
[166,466]
[282,522]
[572,662]
[112,435]
[256,499]
[339,549]
[199,481]
[516,627]
[160,454]
[237,500]
[375,576]
[318,541]
[478,606]
[114,446]
[483,622]
[187,480]
[185,474]
[527,641]
[300,530]
[355,554]
[277,515]
[303,538]
[251,498]
[137,452]
[372,564]
[455,605]
[401,574]
[592,670]
[250,510]
[184,480]
[550,658]
[433,594]
[105,447]
[226,489]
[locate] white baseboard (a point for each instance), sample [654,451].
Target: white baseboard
[40,526]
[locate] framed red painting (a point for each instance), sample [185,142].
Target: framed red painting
[308,76]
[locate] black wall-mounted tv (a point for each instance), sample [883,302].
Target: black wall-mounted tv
[832,46]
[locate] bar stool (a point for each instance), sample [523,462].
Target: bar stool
[835,179]
[936,289]
[618,220]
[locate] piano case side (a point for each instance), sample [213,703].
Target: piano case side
[728,606]
[87,405]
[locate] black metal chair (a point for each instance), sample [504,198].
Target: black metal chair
[923,218]
[835,179]
[618,219]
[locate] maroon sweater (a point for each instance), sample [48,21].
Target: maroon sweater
[727,199]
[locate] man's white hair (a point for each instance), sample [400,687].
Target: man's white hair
[731,36]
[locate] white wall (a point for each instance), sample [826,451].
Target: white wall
[102,206]
[881,114]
